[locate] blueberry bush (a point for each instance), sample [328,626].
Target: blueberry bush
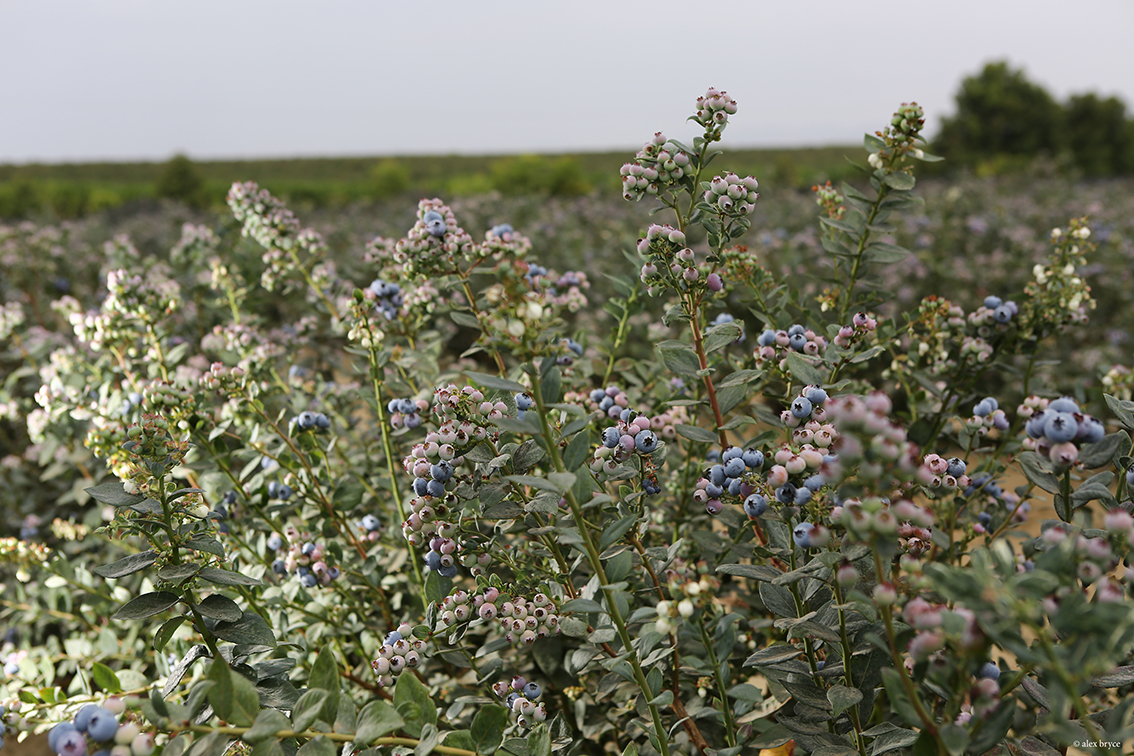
[434,498]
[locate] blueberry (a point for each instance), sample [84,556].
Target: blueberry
[755,505]
[713,490]
[275,542]
[285,491]
[731,453]
[992,302]
[308,548]
[510,700]
[1091,430]
[717,475]
[785,494]
[1064,404]
[308,580]
[646,441]
[982,408]
[435,488]
[984,518]
[441,471]
[532,691]
[322,422]
[524,401]
[420,486]
[796,330]
[1002,314]
[753,458]
[230,497]
[624,415]
[274,489]
[734,485]
[333,573]
[801,534]
[814,483]
[1035,424]
[802,495]
[598,395]
[136,399]
[734,467]
[434,223]
[1060,427]
[801,407]
[447,572]
[956,467]
[394,405]
[433,560]
[990,671]
[816,395]
[798,342]
[279,567]
[306,420]
[71,743]
[102,725]
[83,718]
[370,522]
[767,338]
[606,403]
[392,637]
[59,731]
[407,406]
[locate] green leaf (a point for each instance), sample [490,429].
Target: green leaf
[308,708]
[174,572]
[1123,409]
[527,455]
[320,745]
[325,676]
[1109,448]
[1036,473]
[679,358]
[213,744]
[147,605]
[616,530]
[250,629]
[227,577]
[207,544]
[166,631]
[105,678]
[900,181]
[531,481]
[577,451]
[842,698]
[126,566]
[722,335]
[269,747]
[884,253]
[268,723]
[464,319]
[955,738]
[487,729]
[539,742]
[693,433]
[220,607]
[233,697]
[413,702]
[376,719]
[755,571]
[113,494]
[581,605]
[491,381]
[802,370]
[428,740]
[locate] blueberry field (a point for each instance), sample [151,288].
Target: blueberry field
[680,460]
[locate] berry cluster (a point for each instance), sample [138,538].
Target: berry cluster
[872,442]
[872,518]
[1059,430]
[734,475]
[369,525]
[270,223]
[607,402]
[387,297]
[504,241]
[523,620]
[671,264]
[987,415]
[398,652]
[520,697]
[278,490]
[713,111]
[405,413]
[98,725]
[660,164]
[312,421]
[300,556]
[860,326]
[994,310]
[774,345]
[937,472]
[731,195]
[435,242]
[630,435]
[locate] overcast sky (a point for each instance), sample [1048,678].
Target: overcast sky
[144,79]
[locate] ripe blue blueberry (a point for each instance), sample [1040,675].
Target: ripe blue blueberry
[322,422]
[333,573]
[71,743]
[435,488]
[982,408]
[275,542]
[801,407]
[1064,404]
[990,671]
[645,441]
[610,438]
[279,567]
[1130,478]
[371,523]
[598,395]
[802,534]
[441,471]
[511,699]
[532,691]
[524,401]
[816,395]
[785,494]
[284,491]
[59,731]
[767,338]
[274,489]
[753,458]
[420,486]
[713,490]
[956,467]
[83,717]
[734,467]
[717,475]
[1035,424]
[308,580]
[731,453]
[1002,314]
[625,415]
[434,223]
[796,330]
[1091,430]
[820,664]
[802,495]
[734,486]
[447,571]
[992,302]
[102,725]
[306,420]
[308,548]
[433,560]
[814,483]
[755,505]
[984,518]
[1060,427]
[230,497]
[797,342]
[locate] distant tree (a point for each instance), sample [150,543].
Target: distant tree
[181,180]
[1000,112]
[535,174]
[1099,135]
